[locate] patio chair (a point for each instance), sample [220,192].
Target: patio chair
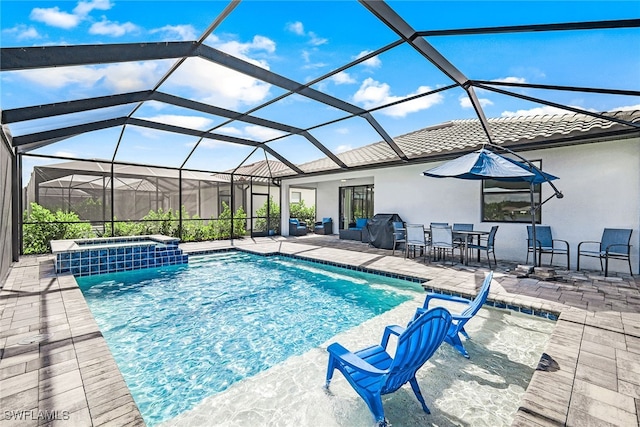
[614,244]
[488,245]
[546,244]
[442,241]
[297,228]
[459,320]
[415,238]
[324,227]
[372,372]
[399,235]
[457,226]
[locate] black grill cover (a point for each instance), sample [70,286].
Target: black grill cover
[381,230]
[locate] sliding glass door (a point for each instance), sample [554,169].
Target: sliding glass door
[355,202]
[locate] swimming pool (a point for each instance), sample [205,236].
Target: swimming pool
[182,333]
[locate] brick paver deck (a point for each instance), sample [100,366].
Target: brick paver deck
[55,366]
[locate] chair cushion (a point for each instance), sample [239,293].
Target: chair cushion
[327,220]
[361,223]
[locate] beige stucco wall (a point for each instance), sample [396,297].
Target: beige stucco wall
[600,181]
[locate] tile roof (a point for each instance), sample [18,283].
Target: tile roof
[465,135]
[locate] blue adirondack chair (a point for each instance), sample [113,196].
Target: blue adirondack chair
[459,320]
[372,372]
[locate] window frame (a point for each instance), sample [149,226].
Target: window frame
[524,191]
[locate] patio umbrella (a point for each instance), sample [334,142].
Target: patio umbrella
[485,164]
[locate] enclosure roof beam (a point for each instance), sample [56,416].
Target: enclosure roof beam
[267,76]
[509,29]
[392,20]
[66,132]
[26,58]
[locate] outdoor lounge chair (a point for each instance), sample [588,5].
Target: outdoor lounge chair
[372,372]
[546,244]
[459,320]
[323,227]
[488,245]
[614,244]
[297,228]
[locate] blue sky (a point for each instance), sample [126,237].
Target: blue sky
[302,41]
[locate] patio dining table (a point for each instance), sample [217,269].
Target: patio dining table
[467,236]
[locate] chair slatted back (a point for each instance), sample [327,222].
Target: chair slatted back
[479,300]
[441,236]
[462,227]
[543,235]
[616,239]
[415,234]
[398,232]
[492,237]
[416,345]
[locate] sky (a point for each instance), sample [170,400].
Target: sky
[303,40]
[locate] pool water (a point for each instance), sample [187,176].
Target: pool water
[182,333]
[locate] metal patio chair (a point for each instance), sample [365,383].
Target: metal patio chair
[614,244]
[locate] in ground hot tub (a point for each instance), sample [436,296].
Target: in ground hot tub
[85,257]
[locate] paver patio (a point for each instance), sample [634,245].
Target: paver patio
[55,366]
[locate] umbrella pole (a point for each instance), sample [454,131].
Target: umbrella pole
[533,226]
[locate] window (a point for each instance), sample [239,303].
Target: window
[296,196]
[509,201]
[355,202]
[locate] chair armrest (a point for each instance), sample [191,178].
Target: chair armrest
[562,241]
[587,241]
[452,298]
[390,329]
[347,358]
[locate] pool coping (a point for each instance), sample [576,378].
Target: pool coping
[590,361]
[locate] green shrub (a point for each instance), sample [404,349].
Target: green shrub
[274,217]
[302,212]
[49,226]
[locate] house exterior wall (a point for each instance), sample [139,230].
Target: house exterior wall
[600,182]
[6,214]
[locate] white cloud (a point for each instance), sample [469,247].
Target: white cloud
[315,40]
[537,111]
[296,28]
[342,78]
[342,131]
[230,130]
[180,32]
[113,29]
[54,17]
[255,133]
[65,154]
[191,122]
[242,50]
[85,7]
[373,62]
[121,77]
[260,133]
[627,108]
[219,85]
[512,80]
[22,32]
[373,94]
[465,102]
[343,148]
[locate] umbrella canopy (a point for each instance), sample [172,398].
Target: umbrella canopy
[485,164]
